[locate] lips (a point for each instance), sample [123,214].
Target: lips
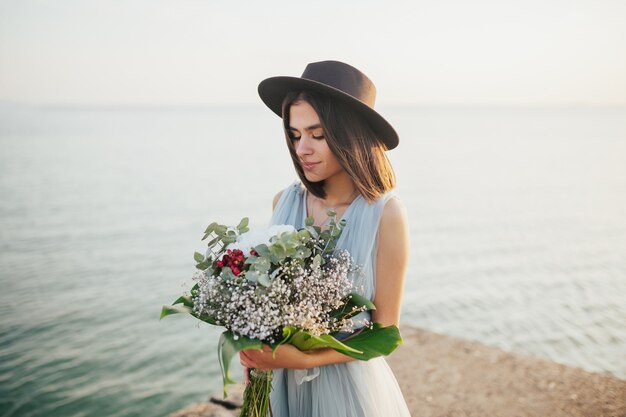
[308,165]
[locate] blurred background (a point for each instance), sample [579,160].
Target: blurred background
[126,127]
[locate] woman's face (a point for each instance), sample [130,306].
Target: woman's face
[317,160]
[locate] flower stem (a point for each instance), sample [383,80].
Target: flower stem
[256,396]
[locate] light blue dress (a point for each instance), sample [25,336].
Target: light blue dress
[349,389]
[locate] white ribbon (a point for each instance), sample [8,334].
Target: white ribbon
[302,375]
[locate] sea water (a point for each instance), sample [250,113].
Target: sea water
[517,224]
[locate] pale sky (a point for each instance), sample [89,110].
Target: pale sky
[437,52]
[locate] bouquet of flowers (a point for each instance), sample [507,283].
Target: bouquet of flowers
[277,286]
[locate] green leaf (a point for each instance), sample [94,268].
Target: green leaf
[228,346]
[264,280]
[213,241]
[228,239]
[198,257]
[359,300]
[262,265]
[252,276]
[175,309]
[227,274]
[262,250]
[317,261]
[203,265]
[313,230]
[373,342]
[304,340]
[309,221]
[184,300]
[251,260]
[242,224]
[210,228]
[207,319]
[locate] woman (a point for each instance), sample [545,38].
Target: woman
[337,142]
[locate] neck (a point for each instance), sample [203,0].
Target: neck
[340,189]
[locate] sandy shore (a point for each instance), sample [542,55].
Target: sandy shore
[446,376]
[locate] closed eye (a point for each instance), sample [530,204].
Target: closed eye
[293,137]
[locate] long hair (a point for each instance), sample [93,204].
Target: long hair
[356,146]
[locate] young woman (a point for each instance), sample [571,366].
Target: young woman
[337,143]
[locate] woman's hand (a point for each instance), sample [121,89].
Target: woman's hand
[287,356]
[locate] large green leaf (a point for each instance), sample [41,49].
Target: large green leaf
[185,300]
[303,340]
[373,342]
[348,309]
[186,308]
[175,309]
[228,346]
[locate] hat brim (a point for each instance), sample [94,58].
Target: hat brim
[272,91]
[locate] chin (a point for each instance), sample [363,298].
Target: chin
[313,178]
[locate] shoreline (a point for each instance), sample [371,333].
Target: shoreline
[443,375]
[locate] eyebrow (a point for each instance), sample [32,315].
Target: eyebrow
[315,126]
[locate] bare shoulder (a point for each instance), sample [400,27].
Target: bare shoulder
[276,198]
[394,216]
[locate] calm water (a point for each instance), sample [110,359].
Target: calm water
[518,232]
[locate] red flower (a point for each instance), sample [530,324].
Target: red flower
[233,259]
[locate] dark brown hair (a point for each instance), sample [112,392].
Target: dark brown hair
[351,139]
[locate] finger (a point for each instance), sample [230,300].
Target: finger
[246,375]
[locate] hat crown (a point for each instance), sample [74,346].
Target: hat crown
[343,77]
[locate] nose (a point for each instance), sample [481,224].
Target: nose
[304,145]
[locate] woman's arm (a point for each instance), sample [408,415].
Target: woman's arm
[391,264]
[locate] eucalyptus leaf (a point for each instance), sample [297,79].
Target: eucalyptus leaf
[251,260]
[313,231]
[264,280]
[203,265]
[262,250]
[210,228]
[275,273]
[252,276]
[198,257]
[243,223]
[213,241]
[262,265]
[227,274]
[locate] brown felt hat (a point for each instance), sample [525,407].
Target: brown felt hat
[339,80]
